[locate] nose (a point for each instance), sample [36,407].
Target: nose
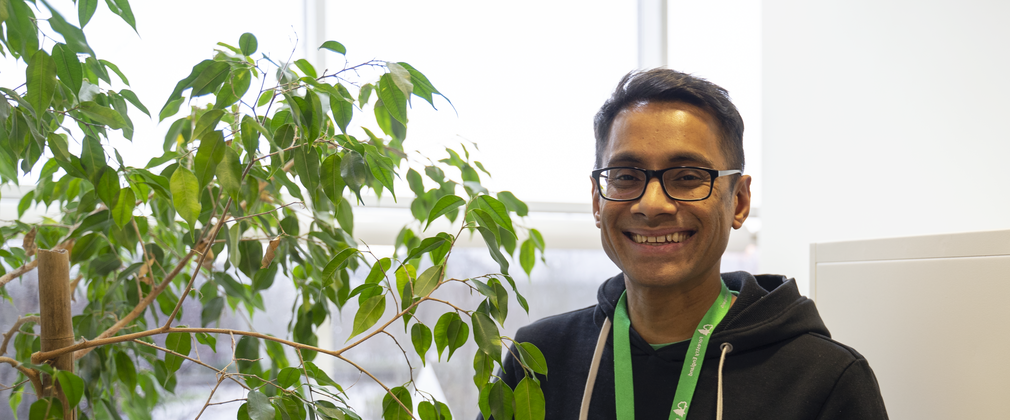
[654,202]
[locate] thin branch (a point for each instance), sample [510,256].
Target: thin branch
[219,371]
[30,373]
[203,257]
[388,391]
[14,329]
[266,212]
[140,308]
[458,309]
[405,357]
[220,379]
[6,278]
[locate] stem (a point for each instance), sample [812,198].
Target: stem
[6,278]
[220,372]
[30,373]
[17,325]
[267,212]
[139,309]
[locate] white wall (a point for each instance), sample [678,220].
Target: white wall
[882,119]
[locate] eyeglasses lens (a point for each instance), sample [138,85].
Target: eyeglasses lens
[680,183]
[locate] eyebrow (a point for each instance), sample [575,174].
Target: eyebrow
[633,159]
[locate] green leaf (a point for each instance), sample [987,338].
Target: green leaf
[306,163]
[72,35]
[382,169]
[306,68]
[501,400]
[180,343]
[422,87]
[115,69]
[333,184]
[72,385]
[533,358]
[68,67]
[108,187]
[391,410]
[126,13]
[450,332]
[436,411]
[51,406]
[442,206]
[123,211]
[210,79]
[171,108]
[93,158]
[103,115]
[260,407]
[497,211]
[126,371]
[211,311]
[368,314]
[284,136]
[334,46]
[208,156]
[364,93]
[485,333]
[527,257]
[427,245]
[86,9]
[338,261]
[229,173]
[186,195]
[41,81]
[491,241]
[529,400]
[393,98]
[25,203]
[247,43]
[428,281]
[207,340]
[352,169]
[483,365]
[288,376]
[342,107]
[207,123]
[234,236]
[420,336]
[132,97]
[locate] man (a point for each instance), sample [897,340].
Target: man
[670,336]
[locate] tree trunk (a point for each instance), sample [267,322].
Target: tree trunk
[57,324]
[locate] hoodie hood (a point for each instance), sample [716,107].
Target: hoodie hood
[768,309]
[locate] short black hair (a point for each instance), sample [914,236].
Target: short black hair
[665,85]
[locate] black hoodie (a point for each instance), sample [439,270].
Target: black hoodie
[783,365]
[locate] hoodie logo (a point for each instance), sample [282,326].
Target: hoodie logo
[681,408]
[706,329]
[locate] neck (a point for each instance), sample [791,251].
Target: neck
[665,314]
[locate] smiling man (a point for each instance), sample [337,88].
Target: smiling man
[671,336]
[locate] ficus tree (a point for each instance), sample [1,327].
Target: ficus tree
[259,169]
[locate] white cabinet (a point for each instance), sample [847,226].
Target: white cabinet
[931,314]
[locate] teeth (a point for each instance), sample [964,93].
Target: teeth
[673,237]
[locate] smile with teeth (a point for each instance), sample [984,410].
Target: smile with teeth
[673,237]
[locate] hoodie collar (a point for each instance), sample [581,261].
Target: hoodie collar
[769,308]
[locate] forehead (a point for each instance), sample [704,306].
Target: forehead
[656,135]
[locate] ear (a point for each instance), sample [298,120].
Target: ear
[741,201]
[596,201]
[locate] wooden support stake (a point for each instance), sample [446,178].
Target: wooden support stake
[54,312]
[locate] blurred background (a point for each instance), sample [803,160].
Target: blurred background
[864,119]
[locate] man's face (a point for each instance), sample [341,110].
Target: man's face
[639,235]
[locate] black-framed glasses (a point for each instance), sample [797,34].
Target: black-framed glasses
[681,183]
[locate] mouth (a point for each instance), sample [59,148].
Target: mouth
[676,237]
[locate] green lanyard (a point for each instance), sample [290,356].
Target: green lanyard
[623,381]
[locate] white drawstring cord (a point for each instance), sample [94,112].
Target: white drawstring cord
[594,368]
[726,348]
